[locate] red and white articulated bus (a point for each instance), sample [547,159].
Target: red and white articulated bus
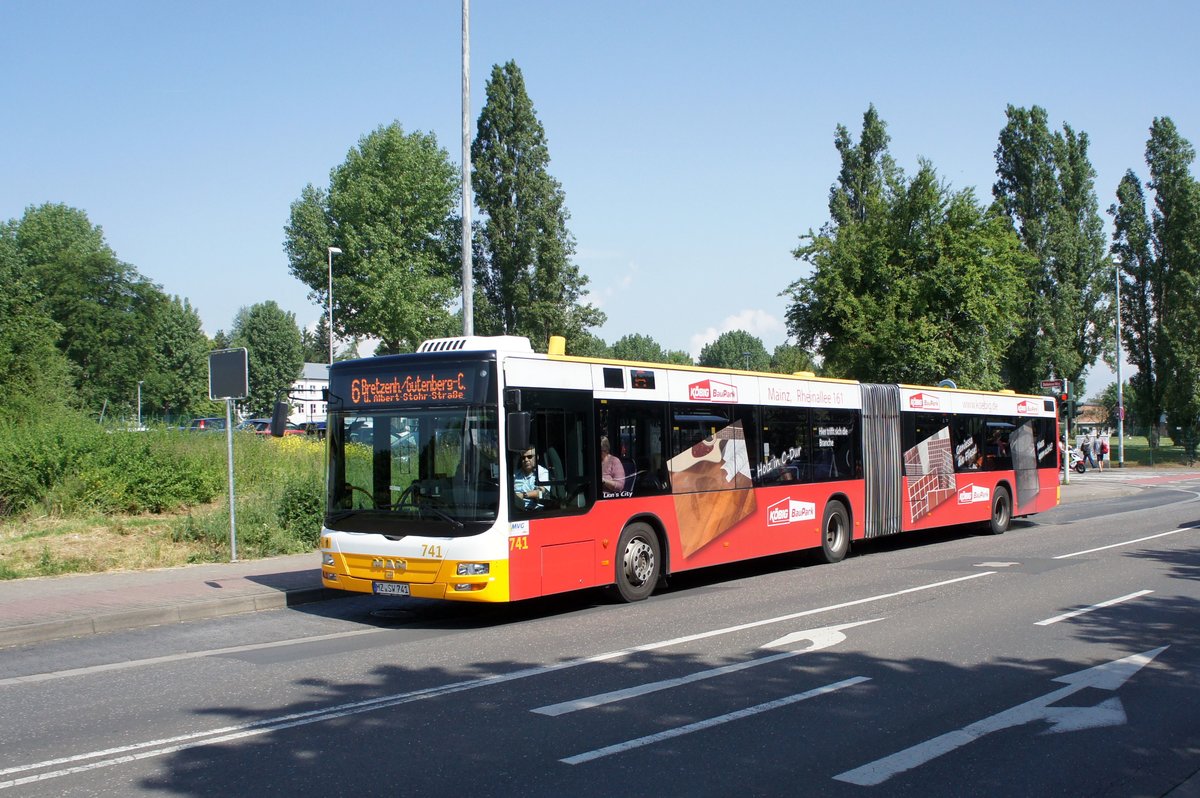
[472,469]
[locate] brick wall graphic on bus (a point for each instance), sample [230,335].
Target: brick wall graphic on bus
[929,467]
[712,487]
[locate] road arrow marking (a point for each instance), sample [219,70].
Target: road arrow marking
[1109,712]
[1106,676]
[820,638]
[996,564]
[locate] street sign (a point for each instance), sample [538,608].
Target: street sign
[228,374]
[1052,385]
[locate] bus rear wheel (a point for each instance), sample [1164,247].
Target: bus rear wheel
[835,532]
[639,562]
[1001,512]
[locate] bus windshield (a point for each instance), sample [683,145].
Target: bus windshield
[432,471]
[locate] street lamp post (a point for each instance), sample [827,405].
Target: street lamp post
[332,251]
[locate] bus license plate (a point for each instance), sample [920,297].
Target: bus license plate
[389,588]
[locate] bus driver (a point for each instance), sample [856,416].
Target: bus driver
[525,481]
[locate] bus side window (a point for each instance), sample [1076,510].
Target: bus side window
[635,431]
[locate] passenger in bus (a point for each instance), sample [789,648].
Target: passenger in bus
[525,481]
[612,473]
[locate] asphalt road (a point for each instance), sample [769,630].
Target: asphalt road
[1058,659]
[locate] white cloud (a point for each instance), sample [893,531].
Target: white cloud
[759,323]
[613,288]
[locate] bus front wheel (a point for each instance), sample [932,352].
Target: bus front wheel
[835,532]
[639,562]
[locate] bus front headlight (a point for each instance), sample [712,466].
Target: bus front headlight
[473,569]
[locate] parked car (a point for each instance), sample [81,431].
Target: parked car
[206,424]
[262,426]
[314,428]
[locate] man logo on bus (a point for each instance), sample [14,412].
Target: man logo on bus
[924,401]
[790,511]
[972,494]
[712,391]
[1028,408]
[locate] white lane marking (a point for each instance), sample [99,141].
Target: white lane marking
[1085,610]
[1105,676]
[268,724]
[1125,543]
[820,639]
[629,745]
[214,652]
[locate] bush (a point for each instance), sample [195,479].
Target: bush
[301,510]
[67,466]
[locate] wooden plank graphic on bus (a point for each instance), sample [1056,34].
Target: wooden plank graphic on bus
[712,486]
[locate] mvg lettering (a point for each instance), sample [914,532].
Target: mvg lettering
[790,511]
[712,391]
[972,494]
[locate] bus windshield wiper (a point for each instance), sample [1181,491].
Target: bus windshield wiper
[426,507]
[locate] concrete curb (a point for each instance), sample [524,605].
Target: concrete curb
[46,631]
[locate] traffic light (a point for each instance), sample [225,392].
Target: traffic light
[1066,408]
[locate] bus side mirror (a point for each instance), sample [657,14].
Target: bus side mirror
[518,431]
[279,419]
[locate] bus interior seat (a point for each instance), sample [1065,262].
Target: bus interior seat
[630,475]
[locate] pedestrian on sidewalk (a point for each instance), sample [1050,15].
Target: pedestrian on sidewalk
[1085,448]
[1101,451]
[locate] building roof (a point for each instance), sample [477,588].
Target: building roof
[315,371]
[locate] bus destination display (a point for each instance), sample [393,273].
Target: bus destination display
[416,386]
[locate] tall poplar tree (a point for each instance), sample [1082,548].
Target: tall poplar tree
[1159,258]
[1046,185]
[526,274]
[1176,225]
[1142,301]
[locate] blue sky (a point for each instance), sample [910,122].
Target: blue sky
[694,141]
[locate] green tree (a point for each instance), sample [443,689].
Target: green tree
[525,272]
[789,359]
[1046,185]
[736,349]
[273,352]
[678,357]
[636,346]
[390,209]
[1176,225]
[177,385]
[33,373]
[315,344]
[106,311]
[1142,302]
[1107,399]
[910,281]
[588,345]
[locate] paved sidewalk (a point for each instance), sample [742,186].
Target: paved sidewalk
[50,608]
